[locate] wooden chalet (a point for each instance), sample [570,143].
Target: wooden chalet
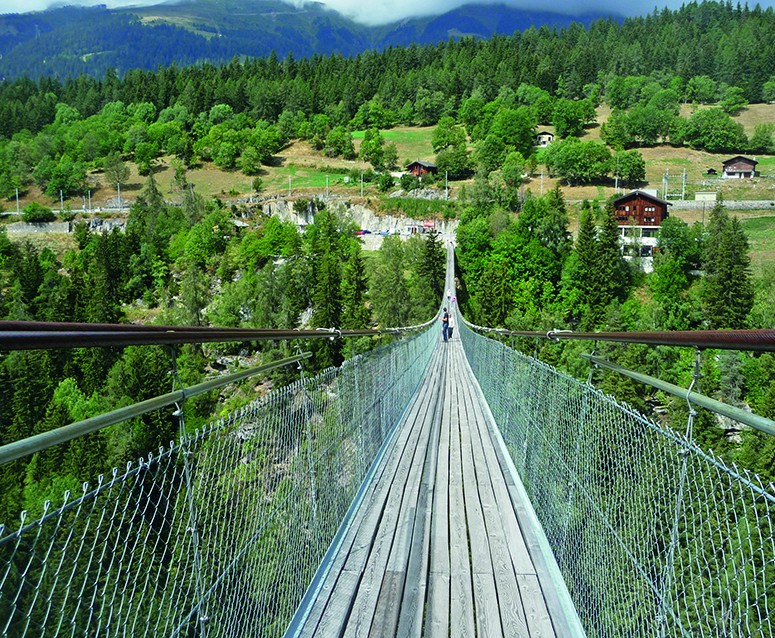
[739,167]
[418,168]
[640,208]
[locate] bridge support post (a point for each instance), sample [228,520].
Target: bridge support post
[192,527]
[310,458]
[665,593]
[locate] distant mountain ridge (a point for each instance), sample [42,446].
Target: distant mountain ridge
[70,41]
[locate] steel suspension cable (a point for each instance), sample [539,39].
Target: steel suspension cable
[33,335]
[754,340]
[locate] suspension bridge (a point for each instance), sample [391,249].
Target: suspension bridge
[423,488]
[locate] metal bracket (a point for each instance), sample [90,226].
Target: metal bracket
[553,332]
[592,364]
[696,376]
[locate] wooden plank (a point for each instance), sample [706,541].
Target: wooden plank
[535,607]
[410,532]
[391,523]
[461,587]
[437,609]
[549,600]
[437,615]
[337,609]
[486,612]
[511,611]
[477,530]
[488,621]
[361,536]
[383,624]
[413,604]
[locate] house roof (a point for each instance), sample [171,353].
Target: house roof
[544,133]
[740,157]
[644,195]
[425,164]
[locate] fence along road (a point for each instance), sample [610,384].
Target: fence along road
[444,541]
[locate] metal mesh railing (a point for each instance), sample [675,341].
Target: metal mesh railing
[654,536]
[220,533]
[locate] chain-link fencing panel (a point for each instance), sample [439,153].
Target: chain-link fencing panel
[654,536]
[219,534]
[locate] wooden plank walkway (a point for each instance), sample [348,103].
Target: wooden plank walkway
[441,545]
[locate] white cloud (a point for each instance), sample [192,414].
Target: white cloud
[374,12]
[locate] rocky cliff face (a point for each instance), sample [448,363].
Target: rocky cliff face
[364,217]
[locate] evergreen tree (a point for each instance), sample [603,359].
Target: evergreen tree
[727,292]
[432,268]
[327,291]
[579,272]
[495,296]
[388,288]
[612,274]
[355,284]
[194,295]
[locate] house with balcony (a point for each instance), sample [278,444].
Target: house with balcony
[639,215]
[739,167]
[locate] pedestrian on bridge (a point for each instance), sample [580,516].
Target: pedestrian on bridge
[444,324]
[451,324]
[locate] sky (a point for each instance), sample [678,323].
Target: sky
[373,12]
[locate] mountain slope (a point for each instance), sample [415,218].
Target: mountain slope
[69,41]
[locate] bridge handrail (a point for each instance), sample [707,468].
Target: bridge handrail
[754,340]
[226,525]
[654,535]
[737,414]
[40,335]
[759,340]
[44,440]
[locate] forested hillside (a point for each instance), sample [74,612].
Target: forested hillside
[70,41]
[519,266]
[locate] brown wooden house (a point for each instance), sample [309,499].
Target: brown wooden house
[418,168]
[739,167]
[639,208]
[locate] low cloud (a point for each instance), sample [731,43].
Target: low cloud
[373,12]
[376,12]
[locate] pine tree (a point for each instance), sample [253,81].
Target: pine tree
[577,286]
[327,292]
[388,288]
[355,284]
[612,273]
[495,297]
[327,309]
[727,292]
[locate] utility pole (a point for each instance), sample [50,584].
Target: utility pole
[61,202]
[90,201]
[446,185]
[683,186]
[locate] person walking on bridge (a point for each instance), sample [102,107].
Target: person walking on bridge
[444,324]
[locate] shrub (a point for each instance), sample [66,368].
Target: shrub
[35,213]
